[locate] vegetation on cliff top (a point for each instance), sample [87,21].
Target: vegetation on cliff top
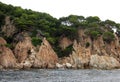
[39,25]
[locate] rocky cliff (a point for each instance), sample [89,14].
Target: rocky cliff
[98,54]
[86,52]
[46,56]
[7,58]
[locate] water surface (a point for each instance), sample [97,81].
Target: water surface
[60,75]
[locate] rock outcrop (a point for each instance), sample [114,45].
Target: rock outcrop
[8,25]
[64,42]
[46,57]
[83,55]
[103,62]
[79,58]
[22,49]
[7,58]
[108,55]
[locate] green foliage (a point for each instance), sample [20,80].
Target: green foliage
[94,32]
[51,40]
[110,22]
[87,45]
[92,19]
[36,41]
[9,46]
[66,52]
[93,24]
[2,17]
[108,37]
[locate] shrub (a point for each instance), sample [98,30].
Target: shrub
[108,37]
[9,46]
[93,34]
[51,40]
[66,52]
[87,45]
[36,41]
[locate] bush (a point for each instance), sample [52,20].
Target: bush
[66,52]
[108,37]
[87,45]
[51,40]
[93,34]
[36,41]
[9,46]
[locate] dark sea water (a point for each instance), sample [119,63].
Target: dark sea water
[60,75]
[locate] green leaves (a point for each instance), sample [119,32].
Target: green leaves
[108,37]
[36,41]
[92,19]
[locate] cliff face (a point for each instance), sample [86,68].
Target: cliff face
[8,25]
[98,54]
[86,53]
[27,55]
[7,58]
[64,42]
[22,49]
[46,57]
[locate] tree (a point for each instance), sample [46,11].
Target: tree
[91,19]
[108,37]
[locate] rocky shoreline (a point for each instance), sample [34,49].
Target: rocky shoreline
[86,53]
[26,56]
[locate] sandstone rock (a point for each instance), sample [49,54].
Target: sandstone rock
[8,29]
[103,62]
[27,64]
[106,52]
[7,59]
[22,49]
[68,65]
[80,56]
[2,41]
[29,60]
[64,42]
[46,57]
[59,65]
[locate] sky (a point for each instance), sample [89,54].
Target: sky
[105,9]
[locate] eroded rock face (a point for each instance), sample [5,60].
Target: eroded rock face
[103,62]
[7,58]
[108,54]
[64,42]
[46,57]
[8,25]
[2,41]
[29,62]
[80,56]
[22,49]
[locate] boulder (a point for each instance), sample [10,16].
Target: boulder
[7,58]
[103,62]
[59,65]
[68,65]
